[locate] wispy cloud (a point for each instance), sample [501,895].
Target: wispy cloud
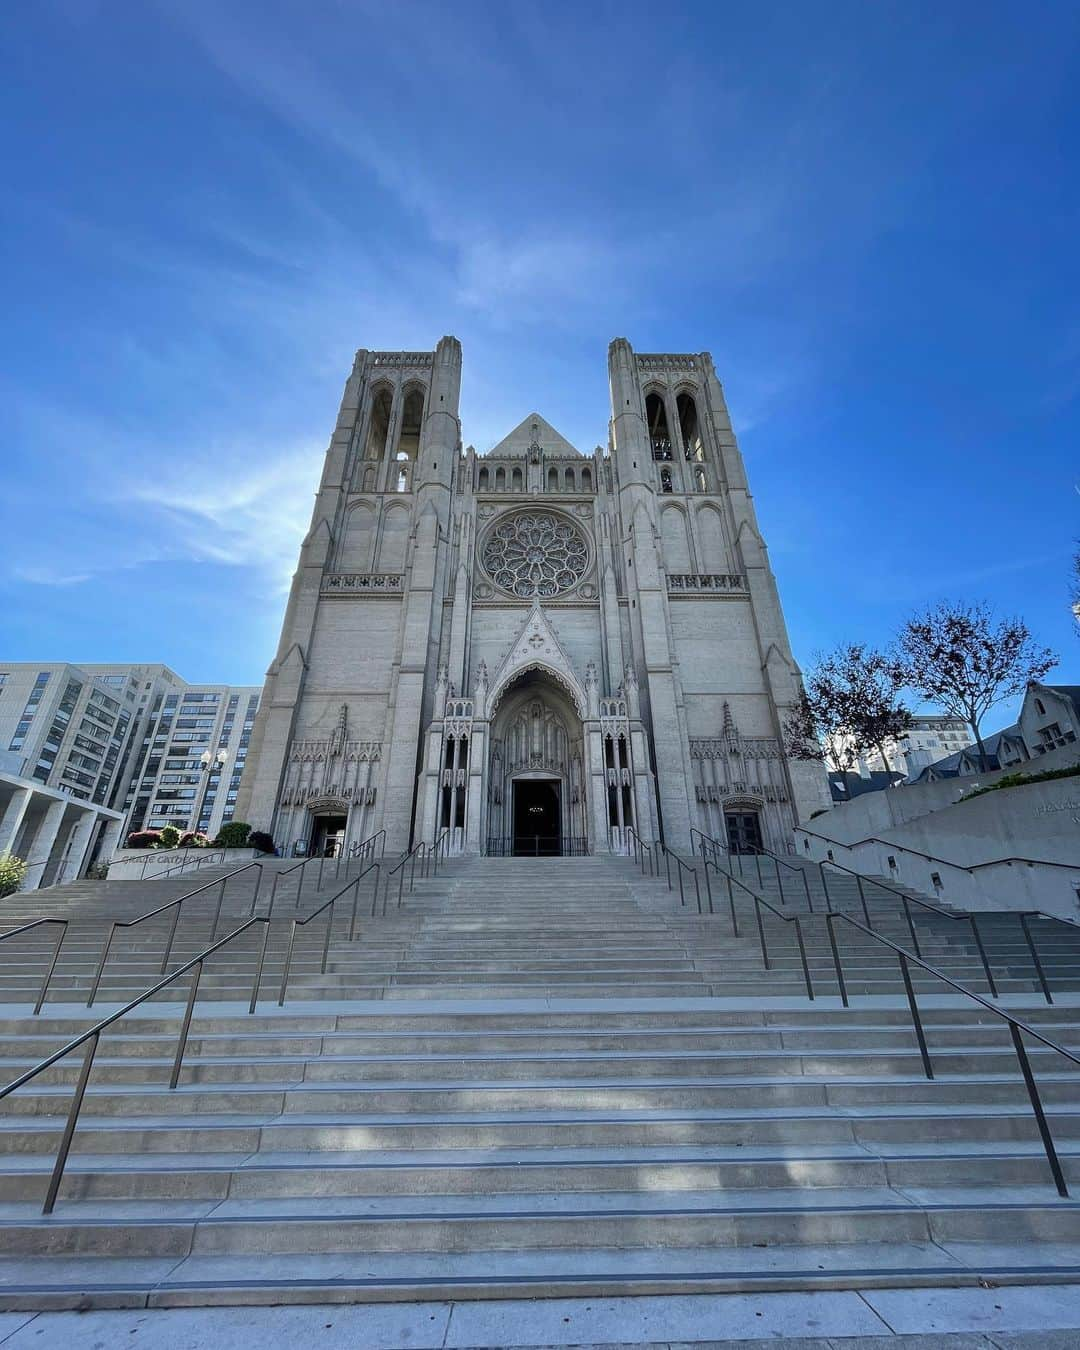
[48,576]
[249,516]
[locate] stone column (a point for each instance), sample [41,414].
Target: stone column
[474,803]
[110,840]
[41,846]
[597,779]
[14,814]
[77,849]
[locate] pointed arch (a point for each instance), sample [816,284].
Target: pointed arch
[659,432]
[395,534]
[676,540]
[379,421]
[355,552]
[712,540]
[690,427]
[412,418]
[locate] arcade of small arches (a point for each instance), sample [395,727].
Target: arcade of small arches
[562,477]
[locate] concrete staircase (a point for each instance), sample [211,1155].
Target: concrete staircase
[538,1076]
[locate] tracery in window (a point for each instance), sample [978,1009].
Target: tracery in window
[535,553]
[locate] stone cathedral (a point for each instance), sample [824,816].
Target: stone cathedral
[535,649]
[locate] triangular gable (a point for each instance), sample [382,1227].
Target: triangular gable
[533,428]
[537,647]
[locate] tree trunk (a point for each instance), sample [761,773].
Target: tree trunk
[984,766]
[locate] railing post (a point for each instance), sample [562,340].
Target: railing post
[809,901]
[355,902]
[911,927]
[708,883]
[757,864]
[697,889]
[1037,1107]
[322,864]
[805,963]
[101,966]
[283,986]
[329,930]
[667,864]
[983,957]
[70,1123]
[780,882]
[915,1018]
[259,967]
[185,1026]
[1043,983]
[825,887]
[217,912]
[862,900]
[761,934]
[172,939]
[52,966]
[830,921]
[678,873]
[731,904]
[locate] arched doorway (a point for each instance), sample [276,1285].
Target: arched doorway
[536,781]
[327,827]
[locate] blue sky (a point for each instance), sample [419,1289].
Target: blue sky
[868,213]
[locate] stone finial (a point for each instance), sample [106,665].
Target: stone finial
[592,690]
[480,690]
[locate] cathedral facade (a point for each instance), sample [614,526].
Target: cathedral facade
[534,649]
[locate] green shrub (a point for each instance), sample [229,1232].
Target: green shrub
[97,871]
[193,839]
[170,836]
[12,871]
[262,841]
[233,835]
[1023,779]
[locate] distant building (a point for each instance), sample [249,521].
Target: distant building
[186,768]
[135,738]
[845,787]
[929,738]
[1049,720]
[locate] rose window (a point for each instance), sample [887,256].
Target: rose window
[535,553]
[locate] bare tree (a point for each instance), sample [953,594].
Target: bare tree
[964,659]
[851,703]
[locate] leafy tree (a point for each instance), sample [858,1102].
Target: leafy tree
[851,703]
[963,658]
[170,836]
[12,871]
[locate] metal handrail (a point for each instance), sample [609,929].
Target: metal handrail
[399,867]
[759,901]
[683,867]
[640,849]
[933,857]
[285,872]
[907,901]
[353,886]
[92,1038]
[25,928]
[1017,1029]
[175,904]
[205,856]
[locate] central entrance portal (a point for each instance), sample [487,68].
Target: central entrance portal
[537,817]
